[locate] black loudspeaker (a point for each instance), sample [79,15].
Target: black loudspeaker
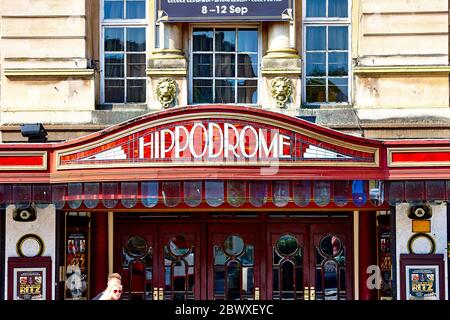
[27,214]
[420,212]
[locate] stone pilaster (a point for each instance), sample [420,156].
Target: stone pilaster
[169,61]
[281,60]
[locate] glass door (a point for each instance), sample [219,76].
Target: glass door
[233,262]
[330,262]
[287,264]
[309,261]
[180,260]
[135,260]
[158,261]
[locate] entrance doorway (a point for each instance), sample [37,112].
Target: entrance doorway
[309,261]
[234,260]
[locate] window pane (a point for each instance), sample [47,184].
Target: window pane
[150,193]
[203,39]
[236,193]
[258,193]
[225,91]
[74,192]
[337,38]
[203,65]
[226,40]
[113,9]
[171,191]
[214,192]
[225,65]
[315,90]
[114,91]
[136,65]
[193,193]
[322,193]
[114,39]
[247,91]
[337,89]
[316,64]
[129,191]
[91,191]
[338,64]
[316,38]
[202,91]
[110,190]
[338,8]
[247,65]
[135,39]
[247,40]
[315,8]
[135,9]
[281,193]
[114,65]
[136,90]
[301,192]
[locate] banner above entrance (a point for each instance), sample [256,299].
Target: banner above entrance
[217,139]
[220,10]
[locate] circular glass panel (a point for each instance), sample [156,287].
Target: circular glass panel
[287,245]
[330,245]
[136,246]
[233,245]
[178,245]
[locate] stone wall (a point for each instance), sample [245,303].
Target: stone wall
[45,71]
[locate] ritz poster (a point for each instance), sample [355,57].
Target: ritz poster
[29,285]
[423,283]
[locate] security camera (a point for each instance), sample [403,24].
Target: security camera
[420,212]
[27,214]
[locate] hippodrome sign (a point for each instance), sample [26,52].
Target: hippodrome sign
[214,141]
[217,10]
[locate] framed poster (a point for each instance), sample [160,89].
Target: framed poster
[422,277]
[76,266]
[29,278]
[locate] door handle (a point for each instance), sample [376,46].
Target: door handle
[257,297]
[306,293]
[155,293]
[161,294]
[312,293]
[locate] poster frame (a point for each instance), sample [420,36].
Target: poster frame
[425,261]
[30,264]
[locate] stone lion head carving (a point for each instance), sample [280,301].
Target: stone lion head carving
[281,89]
[166,90]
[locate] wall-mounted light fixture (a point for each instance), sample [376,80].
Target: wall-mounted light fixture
[35,132]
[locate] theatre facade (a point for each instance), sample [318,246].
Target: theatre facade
[220,202]
[228,150]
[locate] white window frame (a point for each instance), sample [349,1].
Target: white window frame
[121,23]
[191,60]
[324,21]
